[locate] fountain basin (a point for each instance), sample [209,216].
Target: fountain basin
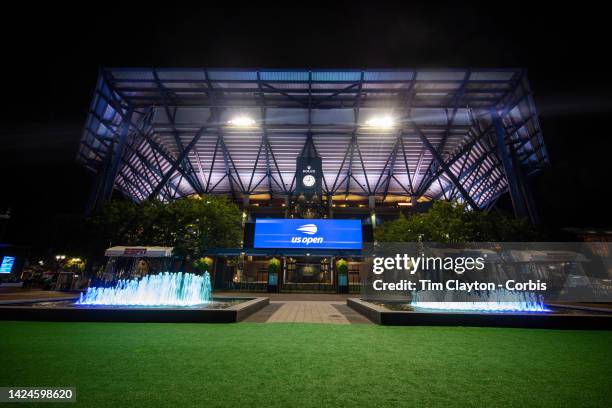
[558,317]
[217,310]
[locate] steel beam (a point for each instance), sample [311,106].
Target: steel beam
[518,202]
[445,167]
[116,154]
[149,140]
[184,162]
[177,163]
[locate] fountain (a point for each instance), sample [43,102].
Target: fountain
[164,297]
[164,289]
[498,301]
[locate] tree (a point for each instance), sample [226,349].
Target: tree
[451,222]
[190,225]
[273,265]
[203,264]
[342,267]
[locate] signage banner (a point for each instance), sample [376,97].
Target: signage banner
[134,251]
[7,264]
[307,233]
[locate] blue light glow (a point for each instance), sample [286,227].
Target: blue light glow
[164,289]
[7,264]
[498,301]
[307,234]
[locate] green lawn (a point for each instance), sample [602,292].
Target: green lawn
[179,365]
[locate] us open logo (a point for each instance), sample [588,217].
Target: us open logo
[308,229]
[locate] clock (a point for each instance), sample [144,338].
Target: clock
[308,181]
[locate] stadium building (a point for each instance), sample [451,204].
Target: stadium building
[315,158]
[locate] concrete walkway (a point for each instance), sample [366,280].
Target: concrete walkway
[308,312]
[330,312]
[303,308]
[288,296]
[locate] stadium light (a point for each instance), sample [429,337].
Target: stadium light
[382,122]
[241,121]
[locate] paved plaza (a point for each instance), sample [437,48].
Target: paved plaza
[307,311]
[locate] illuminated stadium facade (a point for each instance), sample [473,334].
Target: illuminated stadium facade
[362,144]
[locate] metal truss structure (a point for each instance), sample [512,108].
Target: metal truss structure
[464,134]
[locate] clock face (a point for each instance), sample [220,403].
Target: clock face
[308,181]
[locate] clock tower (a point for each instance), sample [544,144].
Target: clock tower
[308,172]
[308,181]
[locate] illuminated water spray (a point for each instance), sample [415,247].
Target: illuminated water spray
[494,301]
[164,289]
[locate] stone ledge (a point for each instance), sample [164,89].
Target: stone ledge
[582,320]
[16,311]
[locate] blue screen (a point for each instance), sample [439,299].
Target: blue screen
[307,234]
[7,264]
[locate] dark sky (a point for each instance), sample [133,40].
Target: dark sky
[51,57]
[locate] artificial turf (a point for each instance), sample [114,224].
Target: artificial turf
[180,365]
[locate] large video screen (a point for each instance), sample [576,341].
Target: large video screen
[7,264]
[307,234]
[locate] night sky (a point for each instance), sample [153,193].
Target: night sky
[51,58]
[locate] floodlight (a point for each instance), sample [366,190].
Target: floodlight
[241,121]
[382,122]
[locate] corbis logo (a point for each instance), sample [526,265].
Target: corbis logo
[308,229]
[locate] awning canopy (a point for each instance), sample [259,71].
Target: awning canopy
[139,251]
[170,132]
